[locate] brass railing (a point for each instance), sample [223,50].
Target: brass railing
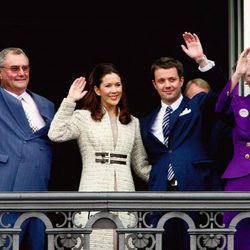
[59,211]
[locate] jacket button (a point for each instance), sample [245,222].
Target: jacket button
[247,156]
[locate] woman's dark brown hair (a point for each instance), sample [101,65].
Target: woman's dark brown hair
[92,101]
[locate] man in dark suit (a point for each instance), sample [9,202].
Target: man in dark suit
[217,129]
[185,151]
[25,151]
[185,156]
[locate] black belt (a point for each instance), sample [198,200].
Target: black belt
[105,157]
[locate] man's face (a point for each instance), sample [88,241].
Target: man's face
[168,84]
[15,73]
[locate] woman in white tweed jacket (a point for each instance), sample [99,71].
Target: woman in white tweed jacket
[108,136]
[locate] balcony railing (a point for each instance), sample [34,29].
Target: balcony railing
[58,212]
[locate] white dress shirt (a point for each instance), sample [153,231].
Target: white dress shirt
[30,108]
[157,126]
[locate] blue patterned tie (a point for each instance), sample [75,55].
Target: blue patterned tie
[165,124]
[165,129]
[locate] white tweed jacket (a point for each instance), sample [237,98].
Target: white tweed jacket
[107,173]
[94,137]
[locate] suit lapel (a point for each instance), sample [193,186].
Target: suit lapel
[149,126]
[42,107]
[176,113]
[151,120]
[44,113]
[16,110]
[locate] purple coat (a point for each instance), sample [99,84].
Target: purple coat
[228,103]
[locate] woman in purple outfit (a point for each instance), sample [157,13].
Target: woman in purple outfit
[237,173]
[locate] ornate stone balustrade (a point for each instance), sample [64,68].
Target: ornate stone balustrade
[58,211]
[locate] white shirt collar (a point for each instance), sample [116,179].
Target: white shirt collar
[157,125]
[25,95]
[174,105]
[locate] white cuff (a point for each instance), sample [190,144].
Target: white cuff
[210,65]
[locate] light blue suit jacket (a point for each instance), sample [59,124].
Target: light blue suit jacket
[25,157]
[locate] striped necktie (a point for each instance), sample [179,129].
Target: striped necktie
[165,124]
[165,129]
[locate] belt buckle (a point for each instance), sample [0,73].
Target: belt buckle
[110,158]
[104,157]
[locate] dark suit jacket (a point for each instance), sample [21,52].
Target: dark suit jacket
[187,150]
[25,157]
[217,128]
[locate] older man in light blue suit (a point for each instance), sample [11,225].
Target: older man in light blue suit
[25,151]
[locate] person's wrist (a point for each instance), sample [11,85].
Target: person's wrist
[200,59]
[70,99]
[237,76]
